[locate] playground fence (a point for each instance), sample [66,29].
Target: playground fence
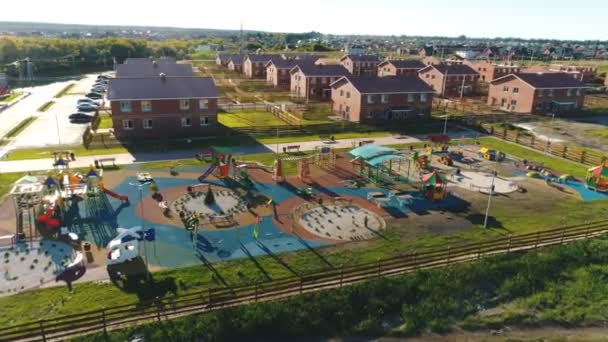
[104,320]
[569,152]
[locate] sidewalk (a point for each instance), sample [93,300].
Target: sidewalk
[130,158]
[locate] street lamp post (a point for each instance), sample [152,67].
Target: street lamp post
[140,187]
[58,132]
[445,123]
[485,220]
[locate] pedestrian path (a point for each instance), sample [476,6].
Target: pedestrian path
[136,157]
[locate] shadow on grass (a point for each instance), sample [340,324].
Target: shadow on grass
[275,257]
[255,262]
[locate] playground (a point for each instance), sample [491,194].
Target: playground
[134,220]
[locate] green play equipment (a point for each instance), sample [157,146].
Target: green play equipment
[376,163]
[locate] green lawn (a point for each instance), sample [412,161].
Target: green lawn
[105,121]
[249,119]
[11,97]
[65,90]
[558,164]
[20,127]
[315,137]
[46,106]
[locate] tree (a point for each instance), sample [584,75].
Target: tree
[8,51]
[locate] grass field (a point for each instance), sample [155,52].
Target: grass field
[602,66]
[65,90]
[20,127]
[46,106]
[105,121]
[249,119]
[11,97]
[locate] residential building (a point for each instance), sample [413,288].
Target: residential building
[400,68]
[254,66]
[312,82]
[150,59]
[361,65]
[368,99]
[162,107]
[585,74]
[354,49]
[278,71]
[537,93]
[451,80]
[223,59]
[489,71]
[236,63]
[152,68]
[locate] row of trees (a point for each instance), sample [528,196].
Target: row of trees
[53,53]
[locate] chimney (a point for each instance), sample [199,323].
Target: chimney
[163,77]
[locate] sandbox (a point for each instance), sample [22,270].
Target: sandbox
[344,222]
[482,181]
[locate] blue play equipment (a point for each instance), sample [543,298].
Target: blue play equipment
[207,173]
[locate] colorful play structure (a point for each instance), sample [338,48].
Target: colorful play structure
[42,202]
[597,178]
[433,186]
[376,163]
[221,160]
[490,154]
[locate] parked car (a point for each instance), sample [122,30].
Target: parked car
[102,77]
[87,107]
[78,115]
[81,120]
[94,95]
[100,90]
[88,100]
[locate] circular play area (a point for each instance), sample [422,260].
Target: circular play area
[25,266]
[482,181]
[197,202]
[345,222]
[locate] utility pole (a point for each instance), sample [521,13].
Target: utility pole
[462,86]
[485,220]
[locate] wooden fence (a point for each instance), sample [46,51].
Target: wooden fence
[104,320]
[569,152]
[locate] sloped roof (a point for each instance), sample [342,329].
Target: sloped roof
[263,58]
[362,58]
[157,88]
[153,69]
[546,80]
[321,70]
[601,171]
[390,84]
[405,64]
[433,178]
[237,59]
[453,69]
[150,60]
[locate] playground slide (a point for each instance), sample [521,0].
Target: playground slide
[49,221]
[115,195]
[207,173]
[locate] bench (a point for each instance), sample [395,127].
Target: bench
[292,148]
[102,161]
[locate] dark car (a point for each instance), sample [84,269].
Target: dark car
[79,115]
[102,77]
[87,107]
[94,96]
[81,119]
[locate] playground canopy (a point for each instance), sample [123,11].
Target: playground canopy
[433,178]
[599,171]
[375,155]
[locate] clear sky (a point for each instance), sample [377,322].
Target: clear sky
[561,19]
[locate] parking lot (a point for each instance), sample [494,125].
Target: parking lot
[53,127]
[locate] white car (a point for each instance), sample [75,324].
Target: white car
[87,100]
[125,246]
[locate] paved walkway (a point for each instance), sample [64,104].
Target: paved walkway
[135,157]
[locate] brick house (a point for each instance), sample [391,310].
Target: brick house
[162,107]
[368,99]
[537,93]
[254,66]
[312,82]
[222,59]
[451,80]
[585,74]
[489,71]
[278,71]
[400,68]
[236,63]
[361,65]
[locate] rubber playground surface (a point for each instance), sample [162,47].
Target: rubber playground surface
[177,247]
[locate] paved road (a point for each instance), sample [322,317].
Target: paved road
[130,158]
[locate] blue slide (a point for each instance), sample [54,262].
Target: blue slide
[207,173]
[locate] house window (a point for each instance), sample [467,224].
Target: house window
[125,106]
[433,76]
[410,97]
[313,80]
[146,106]
[427,75]
[340,108]
[570,92]
[184,104]
[147,123]
[203,104]
[513,102]
[347,110]
[348,94]
[384,99]
[422,97]
[186,122]
[505,89]
[204,121]
[127,124]
[369,115]
[324,80]
[550,92]
[579,92]
[515,90]
[370,99]
[540,93]
[341,92]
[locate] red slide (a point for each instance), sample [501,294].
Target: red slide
[115,195]
[47,218]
